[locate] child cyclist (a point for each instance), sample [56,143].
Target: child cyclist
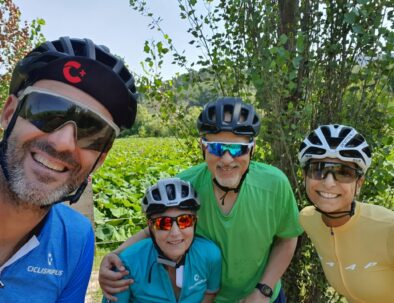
[355,241]
[172,265]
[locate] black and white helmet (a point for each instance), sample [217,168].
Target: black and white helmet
[167,193]
[336,141]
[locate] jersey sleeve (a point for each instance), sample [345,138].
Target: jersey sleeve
[75,289]
[214,277]
[289,226]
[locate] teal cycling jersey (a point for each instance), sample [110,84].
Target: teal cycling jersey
[201,273]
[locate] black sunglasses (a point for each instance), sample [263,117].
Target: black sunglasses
[48,112]
[341,172]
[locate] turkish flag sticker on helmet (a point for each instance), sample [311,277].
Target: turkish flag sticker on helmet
[73,72]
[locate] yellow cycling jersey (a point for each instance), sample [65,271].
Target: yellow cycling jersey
[357,257]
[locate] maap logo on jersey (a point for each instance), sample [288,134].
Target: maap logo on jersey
[73,72]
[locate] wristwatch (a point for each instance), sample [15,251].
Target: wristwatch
[265,289]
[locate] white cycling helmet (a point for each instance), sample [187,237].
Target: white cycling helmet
[167,193]
[336,141]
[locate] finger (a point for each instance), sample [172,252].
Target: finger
[114,290]
[108,285]
[107,274]
[110,297]
[117,262]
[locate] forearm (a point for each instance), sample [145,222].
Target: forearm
[280,258]
[142,234]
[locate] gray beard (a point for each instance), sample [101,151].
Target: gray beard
[34,192]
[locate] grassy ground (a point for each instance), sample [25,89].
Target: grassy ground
[94,294]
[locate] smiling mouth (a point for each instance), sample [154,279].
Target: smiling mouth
[48,164]
[327,195]
[176,242]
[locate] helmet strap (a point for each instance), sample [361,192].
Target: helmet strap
[338,214]
[228,189]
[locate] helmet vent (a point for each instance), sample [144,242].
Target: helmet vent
[228,113]
[356,141]
[243,115]
[185,191]
[350,154]
[367,151]
[344,132]
[156,194]
[171,193]
[314,139]
[334,142]
[211,114]
[145,201]
[315,151]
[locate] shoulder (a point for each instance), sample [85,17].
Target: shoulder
[138,251]
[64,219]
[198,176]
[193,171]
[264,174]
[308,215]
[308,211]
[376,213]
[206,248]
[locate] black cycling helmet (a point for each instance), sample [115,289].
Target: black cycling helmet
[243,118]
[85,65]
[168,193]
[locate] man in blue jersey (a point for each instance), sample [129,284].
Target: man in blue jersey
[68,100]
[247,208]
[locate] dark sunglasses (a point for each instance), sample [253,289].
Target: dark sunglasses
[220,148]
[341,172]
[165,222]
[48,112]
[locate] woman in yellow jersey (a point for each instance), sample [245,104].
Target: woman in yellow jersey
[354,240]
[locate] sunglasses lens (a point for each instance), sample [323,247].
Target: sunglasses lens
[342,173]
[185,221]
[219,149]
[165,223]
[48,113]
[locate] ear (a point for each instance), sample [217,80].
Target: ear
[359,184]
[202,148]
[8,111]
[254,146]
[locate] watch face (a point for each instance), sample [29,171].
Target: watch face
[265,289]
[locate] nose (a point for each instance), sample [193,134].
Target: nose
[64,138]
[175,229]
[329,179]
[226,158]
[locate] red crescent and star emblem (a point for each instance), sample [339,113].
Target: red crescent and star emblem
[72,72]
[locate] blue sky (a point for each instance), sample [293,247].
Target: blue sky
[112,23]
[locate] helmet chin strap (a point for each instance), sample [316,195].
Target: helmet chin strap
[228,189]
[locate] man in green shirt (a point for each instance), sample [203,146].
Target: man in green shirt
[247,208]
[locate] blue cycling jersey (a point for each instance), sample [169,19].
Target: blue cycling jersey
[54,265]
[201,273]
